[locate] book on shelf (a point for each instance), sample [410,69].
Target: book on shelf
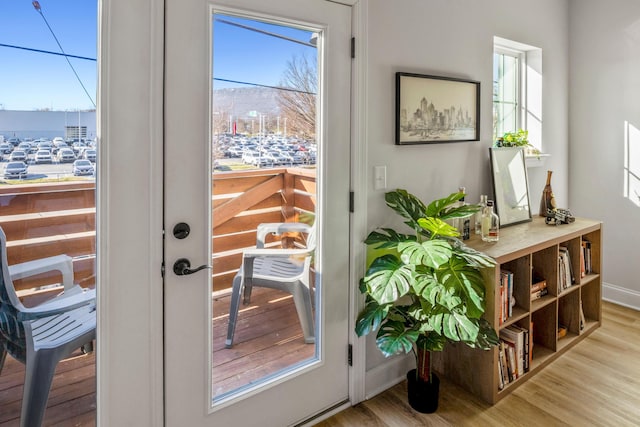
[504,363]
[514,337]
[530,343]
[506,295]
[539,294]
[586,255]
[582,319]
[511,361]
[500,369]
[565,269]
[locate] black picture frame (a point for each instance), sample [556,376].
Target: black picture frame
[436,109]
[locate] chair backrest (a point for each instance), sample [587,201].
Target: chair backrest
[8,294]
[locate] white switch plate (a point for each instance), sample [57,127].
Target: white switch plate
[379,177]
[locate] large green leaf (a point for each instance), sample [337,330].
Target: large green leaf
[432,253]
[387,238]
[474,258]
[371,317]
[431,341]
[458,327]
[467,282]
[394,338]
[463,211]
[406,205]
[388,279]
[435,208]
[487,336]
[437,227]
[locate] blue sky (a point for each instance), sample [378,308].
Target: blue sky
[31,80]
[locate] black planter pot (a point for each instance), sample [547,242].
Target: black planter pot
[423,397]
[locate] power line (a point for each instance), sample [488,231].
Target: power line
[268,33]
[36,6]
[30,49]
[267,86]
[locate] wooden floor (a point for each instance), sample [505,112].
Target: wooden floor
[597,383]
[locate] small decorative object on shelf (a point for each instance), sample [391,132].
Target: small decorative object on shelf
[547,201]
[559,216]
[490,223]
[464,224]
[478,216]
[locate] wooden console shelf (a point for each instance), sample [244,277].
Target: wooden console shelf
[532,250]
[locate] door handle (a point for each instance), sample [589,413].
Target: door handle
[182,267]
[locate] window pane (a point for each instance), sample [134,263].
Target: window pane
[505,93]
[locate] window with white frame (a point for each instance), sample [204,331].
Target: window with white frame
[517,89]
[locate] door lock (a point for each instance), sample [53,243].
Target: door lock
[181,230]
[182,267]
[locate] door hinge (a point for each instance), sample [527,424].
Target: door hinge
[353,47]
[162,269]
[350,355]
[351,201]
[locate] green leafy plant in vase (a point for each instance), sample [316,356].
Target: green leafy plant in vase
[520,138]
[425,289]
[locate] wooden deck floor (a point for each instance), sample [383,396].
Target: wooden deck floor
[268,338]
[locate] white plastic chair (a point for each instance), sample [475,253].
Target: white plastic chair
[284,269]
[43,335]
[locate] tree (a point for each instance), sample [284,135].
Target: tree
[298,101]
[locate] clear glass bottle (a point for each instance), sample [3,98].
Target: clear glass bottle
[464,224]
[478,215]
[490,223]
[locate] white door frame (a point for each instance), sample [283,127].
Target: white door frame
[130,202]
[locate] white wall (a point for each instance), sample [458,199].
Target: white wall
[455,38]
[604,93]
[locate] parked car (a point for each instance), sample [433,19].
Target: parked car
[82,167]
[66,155]
[78,148]
[256,159]
[89,154]
[274,157]
[15,170]
[18,156]
[25,146]
[43,156]
[6,148]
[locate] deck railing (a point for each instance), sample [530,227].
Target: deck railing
[59,218]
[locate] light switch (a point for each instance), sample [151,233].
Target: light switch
[379,177]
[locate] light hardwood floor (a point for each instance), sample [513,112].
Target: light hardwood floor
[596,383]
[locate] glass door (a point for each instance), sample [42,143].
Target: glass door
[257,104]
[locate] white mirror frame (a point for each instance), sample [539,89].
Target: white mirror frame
[510,185]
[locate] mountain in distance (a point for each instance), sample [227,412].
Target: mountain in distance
[242,102]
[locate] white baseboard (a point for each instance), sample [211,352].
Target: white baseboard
[622,296]
[387,374]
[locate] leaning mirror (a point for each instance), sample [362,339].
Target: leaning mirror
[510,187]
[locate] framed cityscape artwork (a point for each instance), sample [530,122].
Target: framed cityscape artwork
[435,109]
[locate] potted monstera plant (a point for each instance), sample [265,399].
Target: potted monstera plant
[424,289]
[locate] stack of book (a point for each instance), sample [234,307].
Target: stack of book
[565,270]
[514,355]
[538,288]
[506,295]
